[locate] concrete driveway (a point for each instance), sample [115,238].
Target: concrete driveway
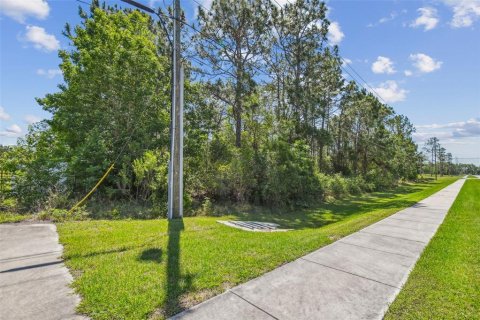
[34,282]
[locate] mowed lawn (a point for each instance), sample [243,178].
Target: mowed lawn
[139,269]
[445,283]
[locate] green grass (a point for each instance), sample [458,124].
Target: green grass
[7,217]
[445,283]
[136,269]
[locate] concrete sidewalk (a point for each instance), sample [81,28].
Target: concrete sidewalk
[356,277]
[34,283]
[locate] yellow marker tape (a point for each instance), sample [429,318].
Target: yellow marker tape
[79,203]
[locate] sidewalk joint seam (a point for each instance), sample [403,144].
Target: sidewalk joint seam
[428,207]
[353,274]
[271,315]
[400,227]
[409,215]
[356,245]
[378,234]
[29,281]
[393,217]
[431,213]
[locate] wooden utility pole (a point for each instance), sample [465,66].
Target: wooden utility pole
[175,173]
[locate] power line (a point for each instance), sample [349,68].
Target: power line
[84,2]
[366,83]
[216,43]
[201,5]
[345,62]
[341,65]
[349,66]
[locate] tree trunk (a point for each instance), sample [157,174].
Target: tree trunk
[237,108]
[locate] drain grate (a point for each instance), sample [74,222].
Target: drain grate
[253,225]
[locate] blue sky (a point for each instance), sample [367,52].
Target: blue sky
[422,57]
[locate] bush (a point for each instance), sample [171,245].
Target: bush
[151,175]
[237,179]
[381,179]
[205,209]
[290,175]
[104,209]
[60,215]
[339,186]
[356,185]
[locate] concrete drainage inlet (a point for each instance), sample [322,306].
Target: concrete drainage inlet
[253,226]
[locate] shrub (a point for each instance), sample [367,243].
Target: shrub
[339,186]
[290,175]
[356,185]
[59,215]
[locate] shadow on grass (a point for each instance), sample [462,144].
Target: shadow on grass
[327,213]
[177,283]
[153,255]
[98,253]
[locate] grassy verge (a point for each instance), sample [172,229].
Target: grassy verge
[6,217]
[445,283]
[7,211]
[132,269]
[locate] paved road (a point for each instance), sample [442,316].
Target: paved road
[33,280]
[356,277]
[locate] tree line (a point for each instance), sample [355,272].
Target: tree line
[269,117]
[437,161]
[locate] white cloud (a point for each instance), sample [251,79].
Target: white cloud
[424,63]
[13,131]
[347,61]
[465,12]
[335,34]
[14,128]
[383,65]
[393,15]
[208,3]
[382,20]
[154,3]
[50,73]
[31,119]
[19,10]
[424,136]
[419,136]
[408,73]
[41,39]
[4,115]
[386,19]
[428,19]
[452,130]
[390,91]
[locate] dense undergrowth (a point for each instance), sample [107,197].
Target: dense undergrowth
[57,208]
